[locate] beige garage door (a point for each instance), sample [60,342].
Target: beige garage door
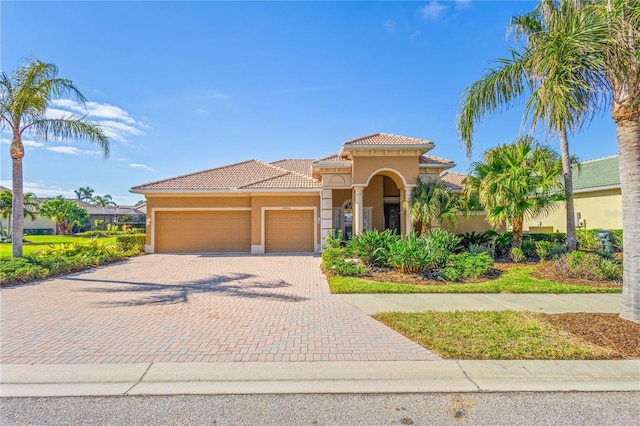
[289,231]
[203,232]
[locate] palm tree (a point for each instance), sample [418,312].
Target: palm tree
[64,213]
[601,69]
[551,70]
[6,203]
[85,193]
[24,98]
[430,201]
[106,201]
[515,181]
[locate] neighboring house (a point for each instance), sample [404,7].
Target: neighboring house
[99,217]
[597,199]
[290,205]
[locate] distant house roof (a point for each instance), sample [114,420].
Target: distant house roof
[430,160]
[453,181]
[252,174]
[598,173]
[4,188]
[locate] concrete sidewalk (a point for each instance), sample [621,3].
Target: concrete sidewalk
[546,303]
[318,377]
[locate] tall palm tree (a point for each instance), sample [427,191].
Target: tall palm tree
[24,98]
[84,193]
[551,72]
[601,67]
[515,181]
[429,202]
[105,201]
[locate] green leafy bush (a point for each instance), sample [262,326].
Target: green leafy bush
[372,247]
[611,270]
[473,238]
[450,274]
[349,268]
[470,265]
[617,239]
[479,248]
[543,249]
[38,231]
[132,242]
[528,248]
[516,255]
[552,237]
[60,259]
[557,250]
[334,239]
[440,244]
[331,255]
[588,240]
[502,243]
[409,254]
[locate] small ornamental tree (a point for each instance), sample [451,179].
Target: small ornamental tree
[64,213]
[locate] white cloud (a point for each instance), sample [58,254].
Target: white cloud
[216,94]
[41,190]
[433,11]
[201,111]
[122,159]
[32,143]
[71,150]
[116,122]
[142,166]
[462,4]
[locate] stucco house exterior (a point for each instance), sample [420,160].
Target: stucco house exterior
[290,205]
[597,199]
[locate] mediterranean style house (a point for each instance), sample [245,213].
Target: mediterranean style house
[292,205]
[597,199]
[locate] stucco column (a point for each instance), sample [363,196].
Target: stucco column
[408,226]
[358,210]
[326,201]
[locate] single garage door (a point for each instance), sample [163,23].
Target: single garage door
[188,231]
[289,231]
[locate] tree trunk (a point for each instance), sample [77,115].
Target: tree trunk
[568,187]
[517,231]
[61,227]
[628,129]
[17,205]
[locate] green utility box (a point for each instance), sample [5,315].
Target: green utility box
[606,239]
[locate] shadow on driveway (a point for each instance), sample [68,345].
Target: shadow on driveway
[149,293]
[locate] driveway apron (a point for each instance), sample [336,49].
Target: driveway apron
[193,308]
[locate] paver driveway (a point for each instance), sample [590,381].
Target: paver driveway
[192,308]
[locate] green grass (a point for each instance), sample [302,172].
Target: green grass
[33,243]
[515,280]
[490,335]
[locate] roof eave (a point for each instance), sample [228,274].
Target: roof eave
[596,188]
[386,147]
[444,166]
[246,191]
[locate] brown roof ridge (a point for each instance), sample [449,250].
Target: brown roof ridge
[197,173]
[351,141]
[287,171]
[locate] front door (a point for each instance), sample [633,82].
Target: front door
[392,217]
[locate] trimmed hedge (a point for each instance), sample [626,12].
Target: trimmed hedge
[38,231]
[132,242]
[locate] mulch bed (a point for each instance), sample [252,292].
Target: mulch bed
[545,272]
[605,330]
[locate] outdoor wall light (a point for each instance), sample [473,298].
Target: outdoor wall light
[148,221]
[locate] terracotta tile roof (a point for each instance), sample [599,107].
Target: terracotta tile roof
[430,159]
[386,139]
[334,157]
[453,181]
[302,166]
[245,175]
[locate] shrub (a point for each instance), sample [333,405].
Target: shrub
[334,239]
[372,247]
[611,270]
[528,248]
[543,249]
[557,250]
[332,255]
[470,265]
[349,268]
[132,242]
[471,238]
[38,231]
[502,243]
[516,255]
[440,244]
[588,240]
[20,270]
[450,274]
[409,254]
[590,266]
[617,239]
[555,237]
[478,248]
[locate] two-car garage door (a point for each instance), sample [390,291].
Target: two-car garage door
[203,231]
[230,231]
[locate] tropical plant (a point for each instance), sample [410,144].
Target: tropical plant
[470,265]
[516,254]
[85,193]
[104,201]
[372,247]
[543,249]
[430,202]
[515,181]
[579,58]
[6,205]
[64,213]
[24,98]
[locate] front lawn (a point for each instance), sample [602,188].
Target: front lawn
[517,335]
[33,243]
[514,280]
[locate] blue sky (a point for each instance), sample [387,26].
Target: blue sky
[187,86]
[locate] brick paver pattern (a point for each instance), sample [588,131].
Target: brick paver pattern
[192,308]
